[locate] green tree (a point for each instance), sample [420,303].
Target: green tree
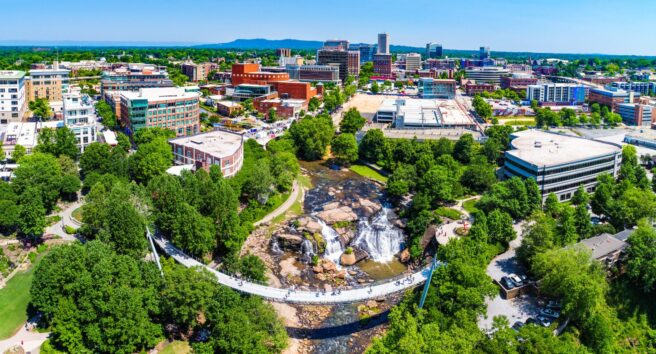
[372,146]
[313,104]
[479,176]
[95,158]
[59,141]
[465,148]
[582,221]
[32,215]
[272,114]
[19,151]
[566,227]
[352,121]
[40,108]
[641,257]
[41,171]
[123,226]
[500,227]
[151,159]
[345,148]
[482,108]
[94,300]
[312,135]
[580,197]
[107,114]
[574,276]
[552,206]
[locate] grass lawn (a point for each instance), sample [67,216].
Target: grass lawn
[77,214]
[520,122]
[13,301]
[176,347]
[448,213]
[368,172]
[470,205]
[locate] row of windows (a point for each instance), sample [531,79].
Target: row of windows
[579,175]
[561,169]
[568,186]
[10,90]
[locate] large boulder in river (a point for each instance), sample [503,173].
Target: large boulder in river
[360,254]
[290,241]
[347,259]
[338,215]
[308,224]
[368,206]
[330,206]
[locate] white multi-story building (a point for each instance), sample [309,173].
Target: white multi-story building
[12,96]
[488,74]
[560,163]
[79,117]
[412,62]
[556,93]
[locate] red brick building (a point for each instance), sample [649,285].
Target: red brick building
[295,89]
[517,82]
[472,88]
[383,65]
[249,73]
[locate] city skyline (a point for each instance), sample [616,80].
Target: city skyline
[584,26]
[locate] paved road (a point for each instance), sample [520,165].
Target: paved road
[300,296]
[283,207]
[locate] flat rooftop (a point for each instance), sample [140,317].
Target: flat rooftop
[11,74]
[159,93]
[542,148]
[217,143]
[427,111]
[25,133]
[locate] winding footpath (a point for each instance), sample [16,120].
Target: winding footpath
[300,296]
[293,196]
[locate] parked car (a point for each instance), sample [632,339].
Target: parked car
[550,312]
[544,321]
[531,320]
[507,283]
[516,279]
[518,325]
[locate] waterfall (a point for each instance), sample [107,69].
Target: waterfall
[275,247]
[379,237]
[334,248]
[307,250]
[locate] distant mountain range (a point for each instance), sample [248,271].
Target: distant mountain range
[262,43]
[296,44]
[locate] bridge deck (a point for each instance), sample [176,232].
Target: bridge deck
[300,296]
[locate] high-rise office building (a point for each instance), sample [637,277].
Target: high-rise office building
[484,53]
[367,51]
[383,43]
[283,52]
[339,58]
[433,50]
[354,62]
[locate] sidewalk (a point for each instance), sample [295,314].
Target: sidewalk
[31,340]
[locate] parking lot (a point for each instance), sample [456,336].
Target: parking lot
[518,309]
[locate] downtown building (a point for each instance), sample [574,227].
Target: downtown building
[79,117]
[437,88]
[412,61]
[491,74]
[611,98]
[13,98]
[198,72]
[636,114]
[50,84]
[216,148]
[643,88]
[383,65]
[172,108]
[556,94]
[354,62]
[335,57]
[367,51]
[383,43]
[560,163]
[433,50]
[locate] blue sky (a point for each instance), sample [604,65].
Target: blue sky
[565,26]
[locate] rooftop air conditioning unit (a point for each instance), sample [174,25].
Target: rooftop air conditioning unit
[537,144]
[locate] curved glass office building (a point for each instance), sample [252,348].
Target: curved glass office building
[560,163]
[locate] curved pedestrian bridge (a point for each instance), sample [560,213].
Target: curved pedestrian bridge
[289,295]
